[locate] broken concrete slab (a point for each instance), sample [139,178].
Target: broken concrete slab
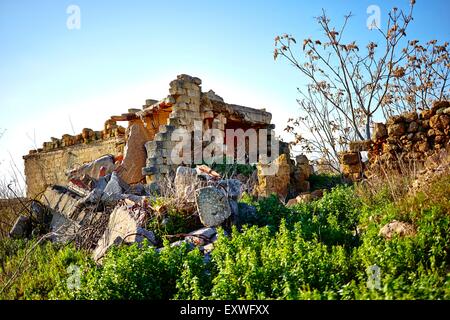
[92,169]
[113,189]
[212,205]
[62,228]
[60,199]
[124,224]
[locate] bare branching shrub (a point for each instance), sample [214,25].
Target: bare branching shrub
[349,84]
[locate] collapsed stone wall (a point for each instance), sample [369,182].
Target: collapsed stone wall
[404,141]
[143,149]
[47,168]
[188,106]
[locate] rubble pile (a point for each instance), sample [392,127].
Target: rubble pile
[98,209]
[104,188]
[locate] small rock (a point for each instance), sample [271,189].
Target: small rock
[232,188]
[396,228]
[396,129]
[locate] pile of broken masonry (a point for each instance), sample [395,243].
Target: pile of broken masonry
[97,209]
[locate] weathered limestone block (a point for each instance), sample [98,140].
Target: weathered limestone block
[425,114]
[379,131]
[410,116]
[349,158]
[212,205]
[358,146]
[135,155]
[301,160]
[396,129]
[87,135]
[185,183]
[278,182]
[21,228]
[413,127]
[232,187]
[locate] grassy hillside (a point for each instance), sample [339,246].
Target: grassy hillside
[326,249]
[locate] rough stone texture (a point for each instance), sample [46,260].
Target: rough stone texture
[21,227]
[351,165]
[185,183]
[395,227]
[305,197]
[358,146]
[277,183]
[202,236]
[232,188]
[60,199]
[379,131]
[406,140]
[63,229]
[47,168]
[113,190]
[212,205]
[135,155]
[124,226]
[92,169]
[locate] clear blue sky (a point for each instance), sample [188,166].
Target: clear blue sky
[53,79]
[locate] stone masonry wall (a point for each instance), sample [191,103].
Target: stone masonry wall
[406,140]
[45,168]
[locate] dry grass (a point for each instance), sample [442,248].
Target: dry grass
[397,180]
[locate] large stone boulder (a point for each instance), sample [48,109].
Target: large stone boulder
[213,206]
[379,131]
[232,187]
[278,182]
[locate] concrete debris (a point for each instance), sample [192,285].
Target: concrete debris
[124,226]
[113,189]
[92,169]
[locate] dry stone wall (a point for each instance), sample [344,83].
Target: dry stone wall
[404,141]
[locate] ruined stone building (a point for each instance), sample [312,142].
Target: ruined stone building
[140,140]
